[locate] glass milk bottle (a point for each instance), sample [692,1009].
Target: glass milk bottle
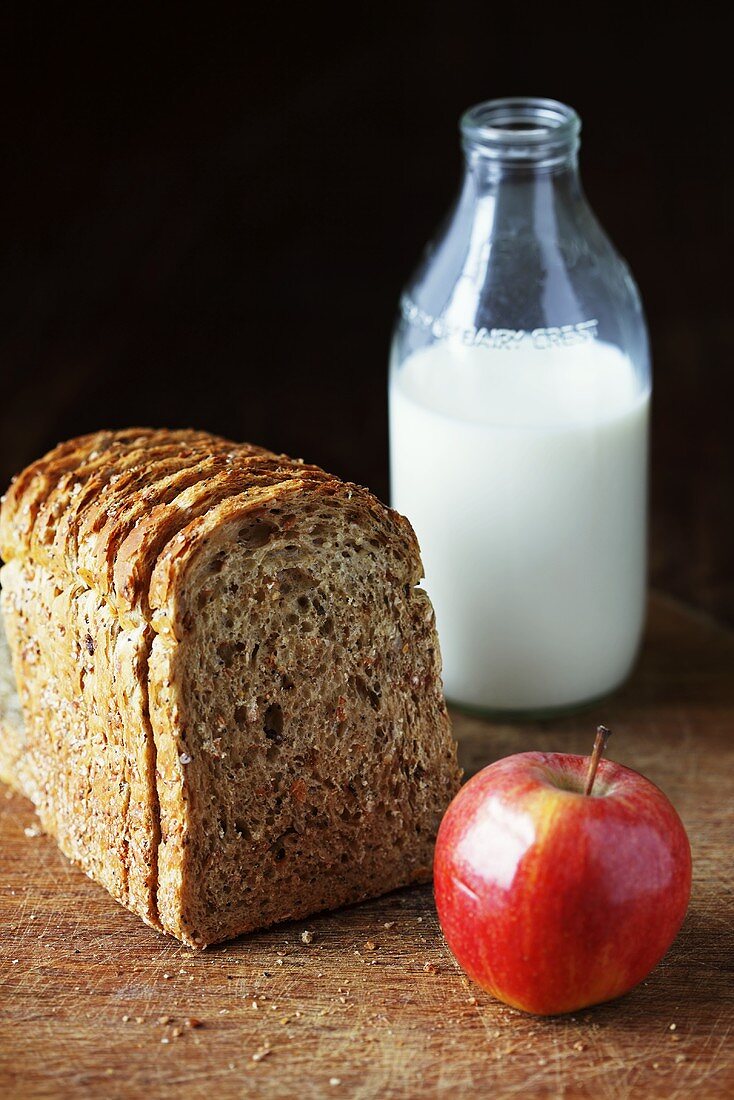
[519,397]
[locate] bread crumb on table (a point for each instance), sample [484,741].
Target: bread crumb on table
[307,936]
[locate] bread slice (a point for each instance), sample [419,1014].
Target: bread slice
[229,679]
[300,727]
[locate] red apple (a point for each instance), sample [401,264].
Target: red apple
[552,899]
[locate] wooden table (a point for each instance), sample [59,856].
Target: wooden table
[94,1004]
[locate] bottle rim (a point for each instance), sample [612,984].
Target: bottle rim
[521,127]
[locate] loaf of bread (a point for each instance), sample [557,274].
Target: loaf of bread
[229,680]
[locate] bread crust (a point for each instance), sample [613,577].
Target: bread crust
[29,489]
[111,517]
[97,485]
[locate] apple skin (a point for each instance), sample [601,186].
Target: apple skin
[552,900]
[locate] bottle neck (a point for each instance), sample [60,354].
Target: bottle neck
[520,138]
[560,171]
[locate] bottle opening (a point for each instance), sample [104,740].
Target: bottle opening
[522,128]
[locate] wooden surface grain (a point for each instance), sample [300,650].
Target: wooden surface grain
[94,1004]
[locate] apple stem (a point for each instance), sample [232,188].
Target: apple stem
[602,736]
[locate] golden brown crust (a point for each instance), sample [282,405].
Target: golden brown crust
[97,482]
[12,501]
[29,489]
[129,500]
[63,488]
[108,521]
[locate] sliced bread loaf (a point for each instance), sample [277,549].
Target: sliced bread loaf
[229,679]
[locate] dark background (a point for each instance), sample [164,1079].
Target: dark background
[208,219]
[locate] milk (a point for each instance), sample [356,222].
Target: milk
[524,475]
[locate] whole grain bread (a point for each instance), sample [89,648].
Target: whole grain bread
[228,676]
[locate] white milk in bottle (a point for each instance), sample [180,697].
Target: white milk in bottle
[525,480]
